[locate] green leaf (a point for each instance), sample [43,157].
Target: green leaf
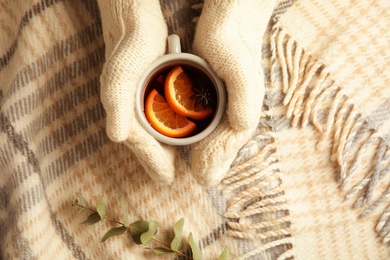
[148,235]
[162,250]
[82,202]
[177,242]
[92,219]
[137,229]
[114,232]
[122,202]
[81,211]
[225,255]
[196,253]
[101,208]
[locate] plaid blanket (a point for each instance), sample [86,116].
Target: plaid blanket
[330,75]
[281,198]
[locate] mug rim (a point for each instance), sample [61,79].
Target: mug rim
[173,59]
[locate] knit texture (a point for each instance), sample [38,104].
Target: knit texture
[135,35]
[229,36]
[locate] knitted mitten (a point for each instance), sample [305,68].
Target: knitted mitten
[135,34]
[229,36]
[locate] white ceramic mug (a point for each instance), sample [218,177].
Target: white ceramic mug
[173,58]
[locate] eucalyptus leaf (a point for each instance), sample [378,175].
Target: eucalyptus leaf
[137,229]
[162,250]
[114,232]
[177,242]
[82,201]
[148,235]
[92,219]
[101,208]
[122,202]
[225,255]
[196,253]
[83,209]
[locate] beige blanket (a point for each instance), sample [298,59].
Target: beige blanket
[324,137]
[332,59]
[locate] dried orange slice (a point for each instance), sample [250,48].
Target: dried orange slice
[162,118]
[178,92]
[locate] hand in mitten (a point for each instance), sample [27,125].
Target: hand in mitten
[229,36]
[135,34]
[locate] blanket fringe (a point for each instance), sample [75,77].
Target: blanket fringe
[361,152]
[257,208]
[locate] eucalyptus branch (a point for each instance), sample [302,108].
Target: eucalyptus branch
[142,232]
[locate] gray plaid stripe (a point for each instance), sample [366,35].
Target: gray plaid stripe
[282,8]
[90,145]
[69,130]
[88,63]
[57,52]
[93,115]
[35,194]
[31,13]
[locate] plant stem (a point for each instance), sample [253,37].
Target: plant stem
[131,228]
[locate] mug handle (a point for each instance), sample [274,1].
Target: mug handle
[174,44]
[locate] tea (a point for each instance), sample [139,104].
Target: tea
[197,89]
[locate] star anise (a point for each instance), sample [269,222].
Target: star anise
[201,95]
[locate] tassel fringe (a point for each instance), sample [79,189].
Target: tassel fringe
[257,208]
[313,97]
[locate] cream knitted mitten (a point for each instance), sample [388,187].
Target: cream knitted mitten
[229,36]
[135,35]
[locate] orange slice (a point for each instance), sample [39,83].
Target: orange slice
[178,92]
[162,118]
